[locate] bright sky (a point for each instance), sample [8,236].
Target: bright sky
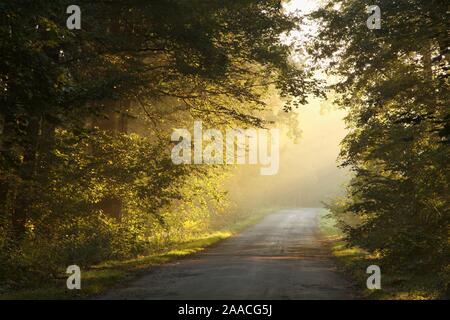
[306,6]
[299,36]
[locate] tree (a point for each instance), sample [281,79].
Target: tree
[394,83]
[153,64]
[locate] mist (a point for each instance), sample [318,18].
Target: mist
[308,174]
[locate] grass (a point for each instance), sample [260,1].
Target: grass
[353,262]
[102,277]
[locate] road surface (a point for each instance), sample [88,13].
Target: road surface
[281,257]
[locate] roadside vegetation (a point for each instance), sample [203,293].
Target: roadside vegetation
[394,83]
[353,262]
[98,278]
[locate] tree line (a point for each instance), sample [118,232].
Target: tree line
[394,82]
[86,117]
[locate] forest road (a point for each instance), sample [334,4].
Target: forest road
[281,257]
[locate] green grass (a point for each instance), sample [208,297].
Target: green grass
[353,262]
[102,277]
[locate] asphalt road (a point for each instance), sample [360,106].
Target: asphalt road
[281,257]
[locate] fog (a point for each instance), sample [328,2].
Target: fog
[308,172]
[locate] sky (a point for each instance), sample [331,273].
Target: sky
[306,6]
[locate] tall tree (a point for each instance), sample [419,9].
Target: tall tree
[394,83]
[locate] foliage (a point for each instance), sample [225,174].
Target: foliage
[394,83]
[86,117]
